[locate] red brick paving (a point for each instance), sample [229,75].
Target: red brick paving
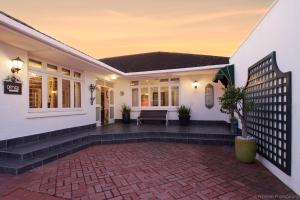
[146,171]
[21,194]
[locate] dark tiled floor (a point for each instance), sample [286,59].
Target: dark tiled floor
[18,159]
[148,171]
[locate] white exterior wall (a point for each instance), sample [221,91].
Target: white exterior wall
[195,98]
[15,119]
[279,31]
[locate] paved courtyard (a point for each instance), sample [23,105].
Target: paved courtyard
[152,170]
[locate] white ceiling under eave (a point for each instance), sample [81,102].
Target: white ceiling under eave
[38,49]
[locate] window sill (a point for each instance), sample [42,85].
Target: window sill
[44,114]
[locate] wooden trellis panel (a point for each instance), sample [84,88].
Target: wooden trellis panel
[270,122]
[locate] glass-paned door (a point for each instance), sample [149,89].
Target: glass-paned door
[104,105]
[98,105]
[111,106]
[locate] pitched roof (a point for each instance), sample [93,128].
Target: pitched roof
[162,61]
[58,44]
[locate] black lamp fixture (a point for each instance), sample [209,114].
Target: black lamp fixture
[17,65]
[195,84]
[92,88]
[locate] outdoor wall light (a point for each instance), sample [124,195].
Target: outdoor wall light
[195,84]
[17,65]
[113,77]
[92,89]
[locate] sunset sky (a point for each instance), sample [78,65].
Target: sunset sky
[104,28]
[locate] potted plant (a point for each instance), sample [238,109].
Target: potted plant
[233,101]
[234,124]
[13,78]
[125,113]
[184,115]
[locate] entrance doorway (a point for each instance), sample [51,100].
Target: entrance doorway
[104,116]
[104,105]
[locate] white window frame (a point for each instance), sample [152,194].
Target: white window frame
[45,111]
[169,84]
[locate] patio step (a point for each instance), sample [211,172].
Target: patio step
[18,159]
[43,147]
[13,166]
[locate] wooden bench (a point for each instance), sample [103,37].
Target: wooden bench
[157,115]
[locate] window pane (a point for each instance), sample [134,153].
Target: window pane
[144,82]
[35,91]
[144,97]
[35,64]
[175,80]
[111,112]
[77,94]
[164,96]
[77,75]
[51,68]
[134,83]
[97,113]
[135,97]
[98,95]
[165,80]
[153,82]
[65,72]
[66,100]
[154,96]
[175,95]
[52,92]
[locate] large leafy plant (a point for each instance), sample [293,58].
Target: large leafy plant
[234,101]
[184,112]
[125,109]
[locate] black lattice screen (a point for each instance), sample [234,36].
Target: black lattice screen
[270,123]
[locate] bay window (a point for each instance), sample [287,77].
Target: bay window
[155,93]
[154,96]
[135,97]
[35,64]
[164,96]
[52,92]
[35,90]
[53,88]
[174,96]
[51,68]
[144,97]
[77,94]
[65,72]
[66,94]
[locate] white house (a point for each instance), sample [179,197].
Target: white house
[57,81]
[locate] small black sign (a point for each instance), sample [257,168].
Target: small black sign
[12,88]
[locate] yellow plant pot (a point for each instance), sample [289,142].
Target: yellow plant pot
[245,149]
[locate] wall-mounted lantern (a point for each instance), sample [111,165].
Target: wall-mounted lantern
[17,65]
[92,89]
[195,84]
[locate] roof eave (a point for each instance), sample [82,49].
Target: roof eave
[198,68]
[41,37]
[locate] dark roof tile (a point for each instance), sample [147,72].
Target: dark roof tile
[162,61]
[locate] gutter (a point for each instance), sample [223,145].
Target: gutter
[176,70]
[30,32]
[24,29]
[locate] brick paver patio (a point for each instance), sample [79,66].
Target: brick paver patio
[150,170]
